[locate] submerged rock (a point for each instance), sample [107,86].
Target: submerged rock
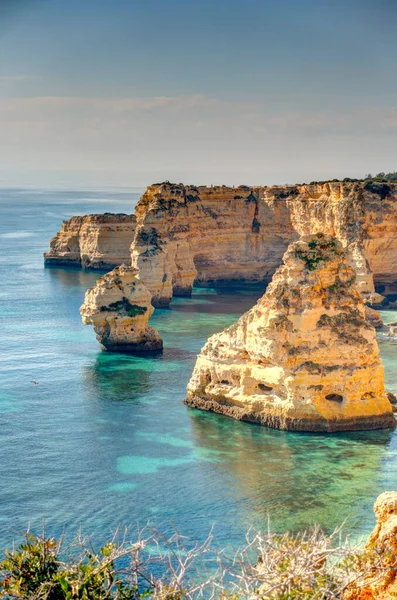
[391,330]
[304,357]
[119,308]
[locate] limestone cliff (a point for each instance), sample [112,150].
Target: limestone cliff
[119,307]
[211,234]
[93,241]
[304,357]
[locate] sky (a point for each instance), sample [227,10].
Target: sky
[102,93]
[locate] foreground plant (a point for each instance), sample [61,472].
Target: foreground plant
[308,566]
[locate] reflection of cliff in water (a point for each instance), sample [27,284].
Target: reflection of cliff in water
[222,299]
[296,479]
[116,378]
[75,279]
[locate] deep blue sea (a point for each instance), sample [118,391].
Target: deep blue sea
[104,439]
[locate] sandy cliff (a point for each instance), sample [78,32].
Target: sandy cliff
[187,233]
[211,234]
[304,357]
[93,241]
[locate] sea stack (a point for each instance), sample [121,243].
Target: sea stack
[304,357]
[119,308]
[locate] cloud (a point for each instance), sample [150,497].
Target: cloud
[199,110]
[16,78]
[192,133]
[112,105]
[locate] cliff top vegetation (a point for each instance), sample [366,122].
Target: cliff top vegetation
[310,565]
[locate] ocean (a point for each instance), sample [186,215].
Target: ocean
[104,439]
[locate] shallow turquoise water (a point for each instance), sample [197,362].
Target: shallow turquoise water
[104,438]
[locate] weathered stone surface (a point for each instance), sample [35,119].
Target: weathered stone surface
[374,318]
[211,234]
[304,357]
[93,241]
[119,307]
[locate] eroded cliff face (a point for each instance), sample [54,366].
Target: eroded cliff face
[119,307]
[207,234]
[203,234]
[93,241]
[210,234]
[305,357]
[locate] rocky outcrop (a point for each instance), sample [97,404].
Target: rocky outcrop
[211,234]
[304,357]
[378,563]
[119,307]
[391,330]
[93,241]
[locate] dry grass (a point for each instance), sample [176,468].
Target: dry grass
[311,565]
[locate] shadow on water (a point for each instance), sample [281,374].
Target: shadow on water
[298,479]
[72,277]
[117,378]
[235,299]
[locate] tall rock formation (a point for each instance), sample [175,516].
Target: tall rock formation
[304,357]
[211,234]
[93,241]
[119,308]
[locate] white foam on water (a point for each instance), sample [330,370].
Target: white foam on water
[16,234]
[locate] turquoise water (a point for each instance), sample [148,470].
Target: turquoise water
[104,438]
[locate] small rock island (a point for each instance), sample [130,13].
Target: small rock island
[304,357]
[119,307]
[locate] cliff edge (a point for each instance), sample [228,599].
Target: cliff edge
[182,234]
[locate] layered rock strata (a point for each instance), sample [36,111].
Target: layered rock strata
[119,308]
[212,234]
[304,357]
[93,241]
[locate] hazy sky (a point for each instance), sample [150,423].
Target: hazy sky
[128,92]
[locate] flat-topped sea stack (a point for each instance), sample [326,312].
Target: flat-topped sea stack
[119,308]
[304,357]
[93,241]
